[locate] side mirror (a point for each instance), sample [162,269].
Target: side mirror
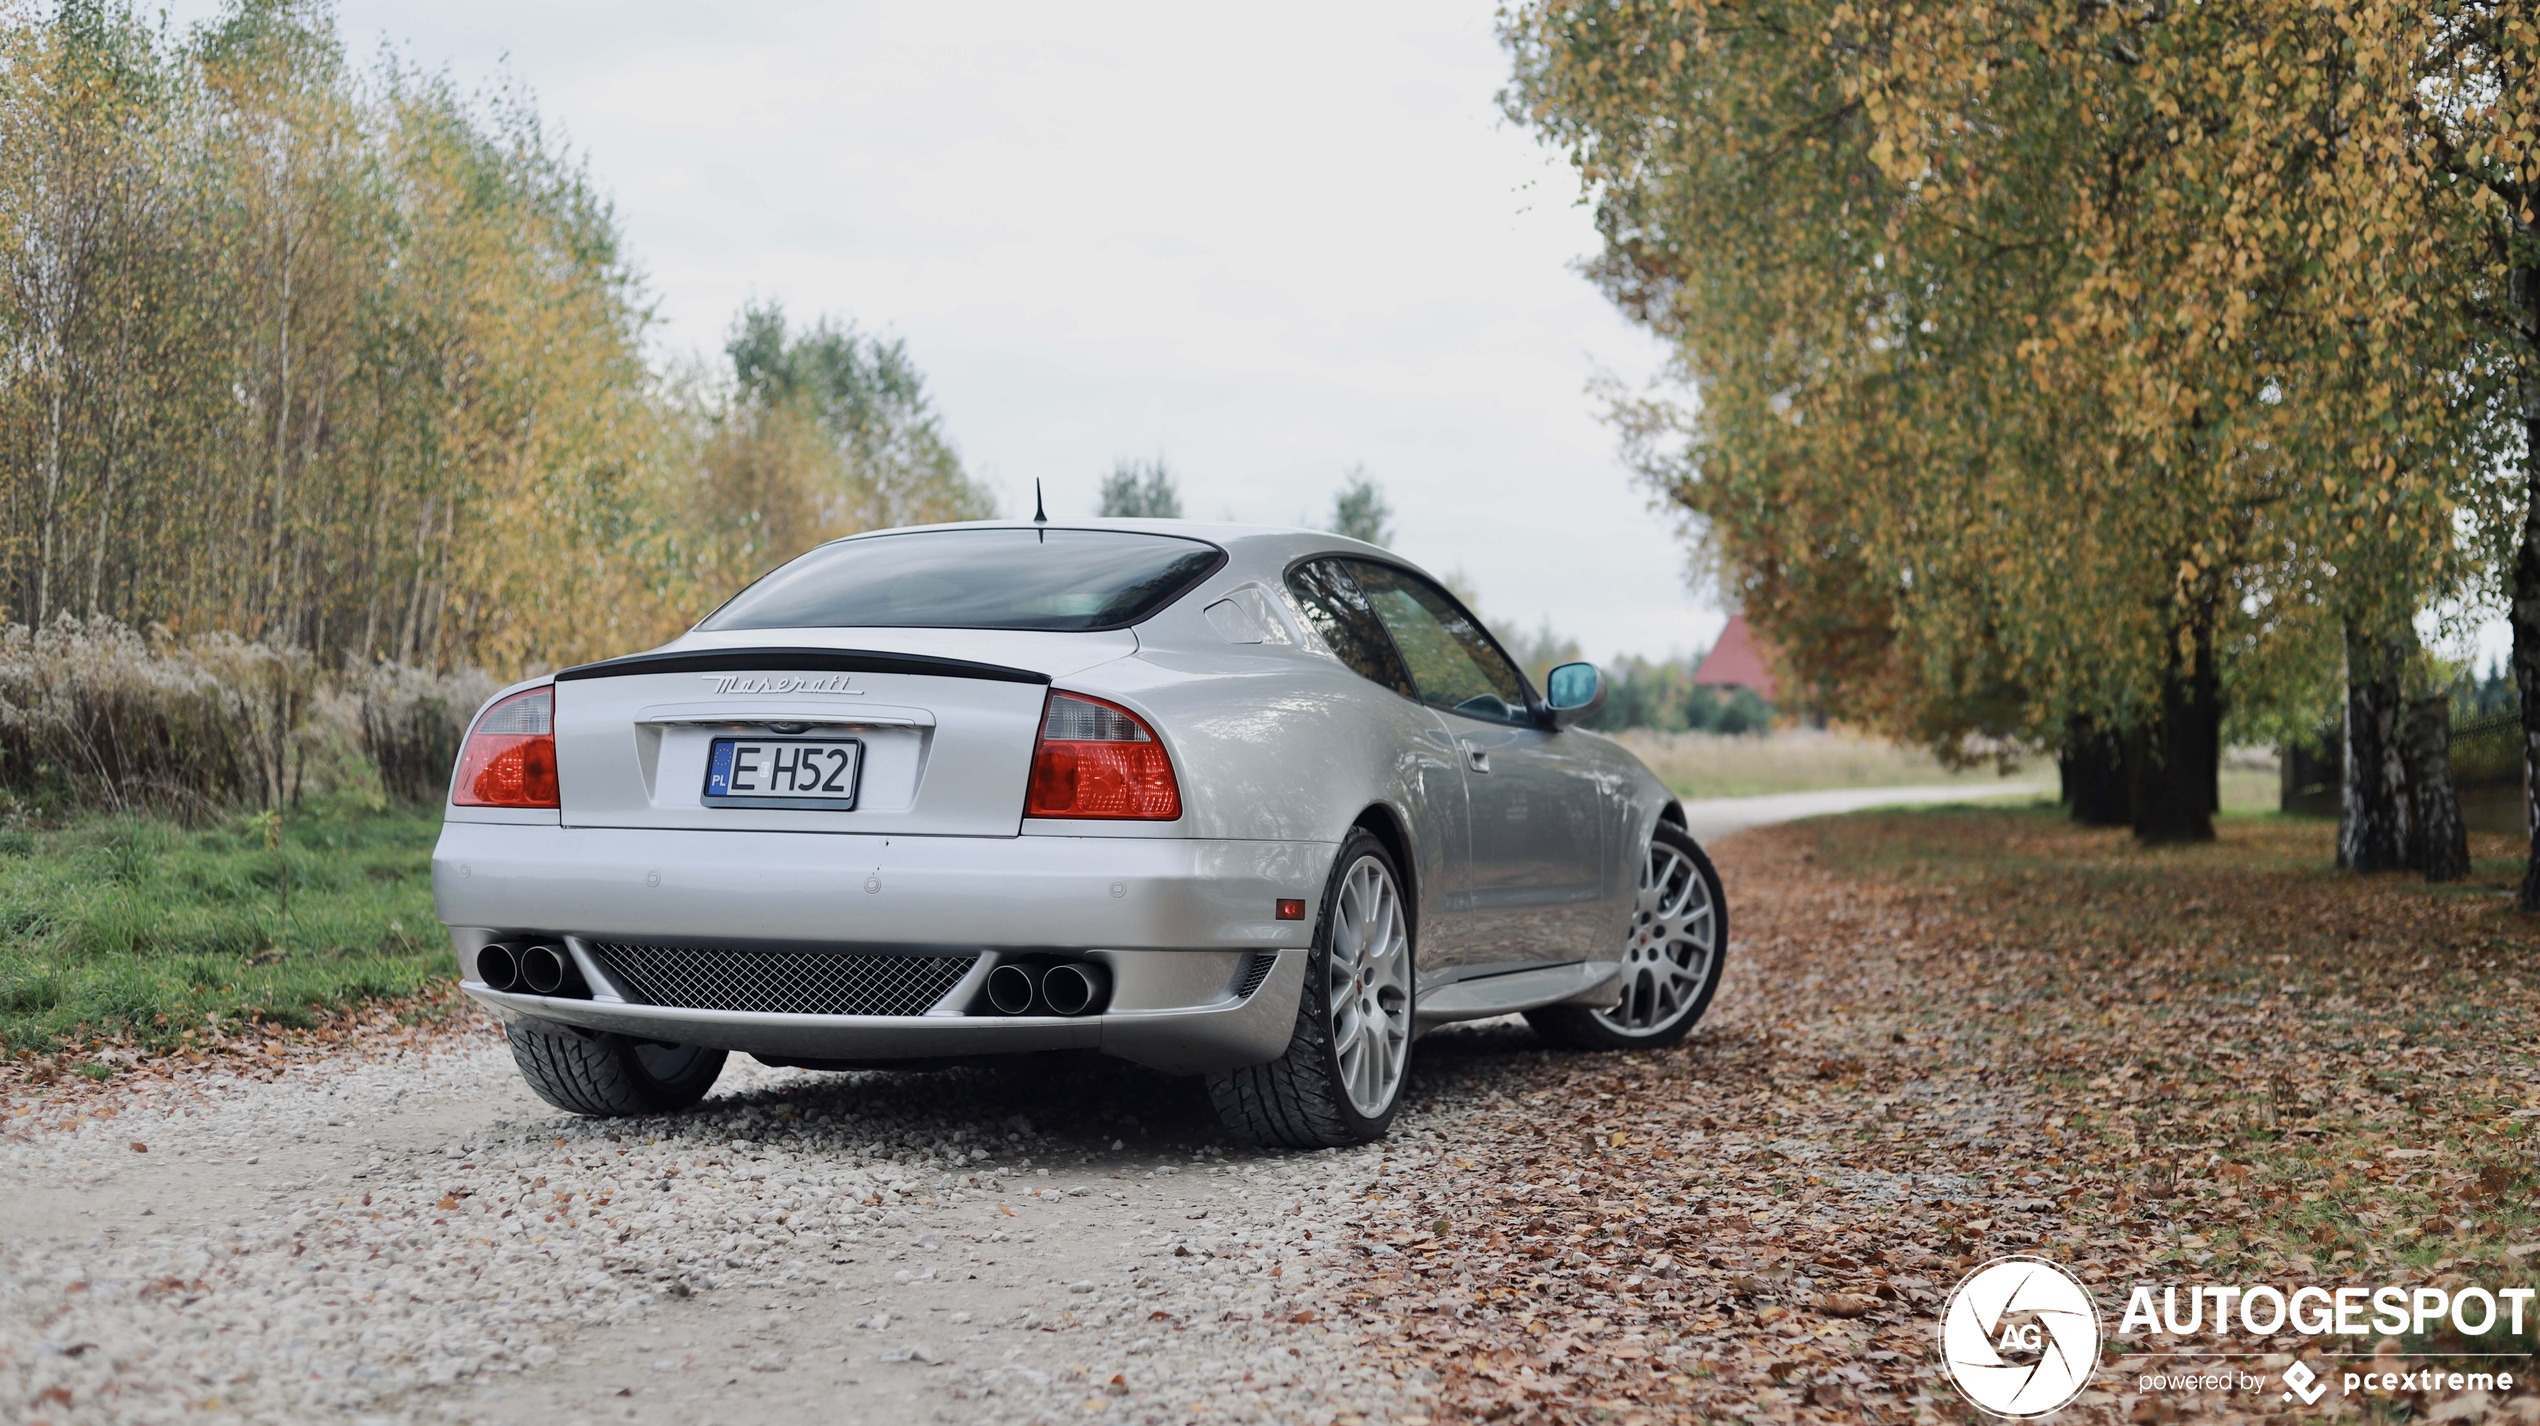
[1572,692]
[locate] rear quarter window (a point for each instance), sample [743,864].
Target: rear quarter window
[1057,580]
[1339,611]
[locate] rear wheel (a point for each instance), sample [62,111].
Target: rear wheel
[1672,955]
[613,1077]
[1341,1078]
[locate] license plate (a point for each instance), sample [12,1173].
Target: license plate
[783,772]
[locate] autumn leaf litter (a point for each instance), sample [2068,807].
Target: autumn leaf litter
[1945,1037]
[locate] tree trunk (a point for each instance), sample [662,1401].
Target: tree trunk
[2442,839]
[2525,287]
[2526,613]
[52,493]
[105,503]
[2372,813]
[2175,769]
[2093,767]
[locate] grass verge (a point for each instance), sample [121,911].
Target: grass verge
[142,932]
[1799,760]
[1819,760]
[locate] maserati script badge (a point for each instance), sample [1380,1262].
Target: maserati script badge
[744,683]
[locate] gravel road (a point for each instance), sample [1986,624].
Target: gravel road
[1720,816]
[407,1235]
[414,1238]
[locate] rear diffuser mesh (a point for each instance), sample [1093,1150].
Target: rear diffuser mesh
[785,982]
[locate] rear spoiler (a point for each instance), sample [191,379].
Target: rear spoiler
[799,660]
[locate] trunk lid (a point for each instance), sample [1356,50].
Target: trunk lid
[945,720]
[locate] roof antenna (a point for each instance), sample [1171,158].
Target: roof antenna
[1040,515]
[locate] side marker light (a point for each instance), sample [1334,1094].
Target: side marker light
[1291,909]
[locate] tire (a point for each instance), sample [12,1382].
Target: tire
[1341,1079]
[613,1077]
[1672,956]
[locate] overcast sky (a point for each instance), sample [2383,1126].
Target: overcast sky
[1266,244]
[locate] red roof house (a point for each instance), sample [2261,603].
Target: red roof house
[1737,661]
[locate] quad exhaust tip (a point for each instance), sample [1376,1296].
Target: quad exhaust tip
[1074,987]
[543,970]
[1069,988]
[1011,989]
[539,968]
[498,967]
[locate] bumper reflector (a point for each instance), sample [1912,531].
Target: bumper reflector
[1291,909]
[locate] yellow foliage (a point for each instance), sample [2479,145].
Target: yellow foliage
[2033,344]
[345,363]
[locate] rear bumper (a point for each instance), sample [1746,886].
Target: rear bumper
[1009,893]
[1172,1011]
[1174,919]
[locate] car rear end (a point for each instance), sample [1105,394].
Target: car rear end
[852,842]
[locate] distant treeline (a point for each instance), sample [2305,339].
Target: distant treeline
[345,362]
[1651,693]
[2484,694]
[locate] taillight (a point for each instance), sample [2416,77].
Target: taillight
[1097,759]
[510,757]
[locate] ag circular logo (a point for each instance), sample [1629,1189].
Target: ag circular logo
[2019,1337]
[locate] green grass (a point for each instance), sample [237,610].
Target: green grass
[1702,765]
[137,929]
[2246,792]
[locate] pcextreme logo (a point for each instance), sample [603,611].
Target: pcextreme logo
[2301,1381]
[2019,1337]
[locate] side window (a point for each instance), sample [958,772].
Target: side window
[1453,663]
[1337,608]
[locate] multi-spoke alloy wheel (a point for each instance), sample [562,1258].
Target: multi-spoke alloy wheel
[1341,1077]
[1368,977]
[1671,955]
[1667,959]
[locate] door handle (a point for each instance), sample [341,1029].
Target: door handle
[1476,756]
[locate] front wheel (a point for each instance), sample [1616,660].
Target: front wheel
[1672,955]
[1341,1078]
[613,1077]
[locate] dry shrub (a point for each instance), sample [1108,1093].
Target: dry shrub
[105,716]
[116,718]
[412,721]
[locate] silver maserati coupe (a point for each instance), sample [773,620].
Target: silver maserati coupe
[1262,805]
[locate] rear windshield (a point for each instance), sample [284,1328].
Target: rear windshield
[1063,580]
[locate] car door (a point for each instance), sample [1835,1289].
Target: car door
[1337,611]
[1535,890]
